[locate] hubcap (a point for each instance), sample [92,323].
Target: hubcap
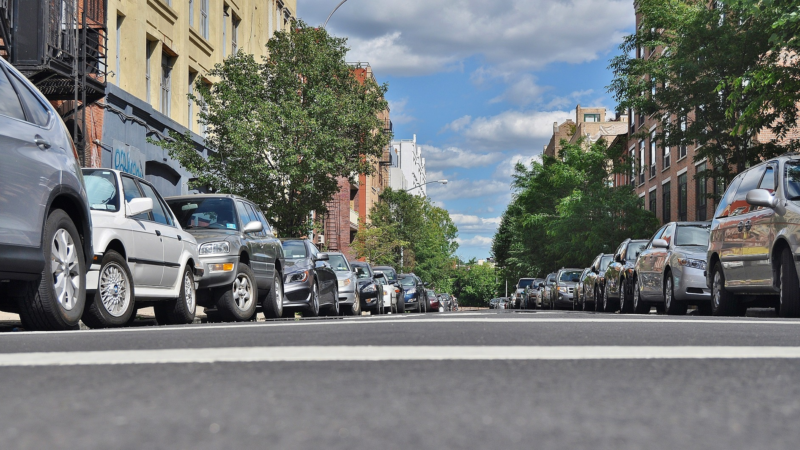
[316,298]
[188,289]
[65,269]
[605,298]
[243,292]
[114,291]
[636,294]
[668,293]
[278,286]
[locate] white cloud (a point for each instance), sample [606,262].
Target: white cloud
[414,37]
[444,158]
[568,101]
[464,189]
[522,92]
[473,224]
[507,168]
[514,129]
[458,124]
[476,241]
[398,112]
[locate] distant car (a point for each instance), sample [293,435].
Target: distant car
[548,290]
[579,298]
[566,279]
[433,300]
[413,292]
[243,258]
[45,224]
[493,303]
[618,278]
[349,295]
[533,294]
[521,292]
[391,282]
[370,291]
[142,255]
[593,283]
[310,284]
[446,300]
[390,293]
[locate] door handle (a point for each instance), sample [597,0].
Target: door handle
[748,225]
[41,142]
[740,226]
[158,232]
[180,238]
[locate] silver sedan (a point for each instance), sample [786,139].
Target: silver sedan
[670,270]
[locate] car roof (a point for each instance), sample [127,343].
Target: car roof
[189,196]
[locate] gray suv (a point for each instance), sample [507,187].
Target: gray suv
[243,259]
[45,227]
[755,239]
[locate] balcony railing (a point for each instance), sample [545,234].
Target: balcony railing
[353,217]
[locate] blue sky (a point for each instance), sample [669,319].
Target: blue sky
[480,84]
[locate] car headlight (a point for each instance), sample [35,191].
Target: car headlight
[562,289]
[215,248]
[346,282]
[297,277]
[369,288]
[692,263]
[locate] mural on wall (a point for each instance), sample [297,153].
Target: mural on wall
[128,159]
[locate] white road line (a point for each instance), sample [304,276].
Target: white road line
[389,353]
[487,319]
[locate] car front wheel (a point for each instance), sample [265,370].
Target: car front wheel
[639,305]
[671,306]
[723,302]
[790,287]
[237,302]
[312,310]
[181,310]
[113,304]
[272,306]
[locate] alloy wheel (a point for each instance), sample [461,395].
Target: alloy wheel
[636,295]
[243,292]
[716,287]
[188,289]
[115,289]
[278,287]
[65,269]
[668,293]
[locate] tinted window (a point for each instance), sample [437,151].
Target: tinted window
[338,263]
[692,235]
[267,229]
[749,182]
[159,214]
[634,248]
[131,190]
[408,280]
[254,217]
[723,209]
[605,262]
[570,275]
[9,102]
[244,214]
[211,213]
[793,180]
[294,250]
[768,182]
[101,188]
[525,282]
[362,271]
[38,111]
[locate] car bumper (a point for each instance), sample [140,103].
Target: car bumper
[296,294]
[564,299]
[690,284]
[213,279]
[347,298]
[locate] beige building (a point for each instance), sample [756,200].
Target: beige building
[591,124]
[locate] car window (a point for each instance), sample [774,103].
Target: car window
[131,190]
[570,275]
[408,281]
[525,282]
[244,214]
[692,235]
[768,181]
[750,181]
[9,102]
[159,214]
[723,209]
[312,248]
[668,233]
[658,235]
[338,263]
[267,228]
[793,180]
[294,250]
[211,213]
[634,248]
[605,262]
[38,112]
[254,218]
[101,188]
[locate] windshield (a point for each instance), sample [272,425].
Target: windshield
[101,188]
[692,235]
[391,275]
[525,282]
[550,279]
[208,213]
[338,263]
[605,261]
[793,180]
[294,250]
[408,281]
[634,248]
[431,294]
[361,271]
[570,275]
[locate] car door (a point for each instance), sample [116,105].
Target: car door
[659,258]
[147,253]
[645,266]
[614,269]
[326,276]
[171,238]
[272,246]
[740,256]
[262,269]
[759,234]
[28,170]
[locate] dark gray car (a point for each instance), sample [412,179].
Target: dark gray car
[310,283]
[45,227]
[563,292]
[243,259]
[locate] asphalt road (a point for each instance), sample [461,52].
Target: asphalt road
[493,380]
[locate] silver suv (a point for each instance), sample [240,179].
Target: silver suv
[45,228]
[753,250]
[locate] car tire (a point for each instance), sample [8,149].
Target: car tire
[607,306]
[672,307]
[598,305]
[237,302]
[38,301]
[723,302]
[639,305]
[272,306]
[625,297]
[312,310]
[334,309]
[179,311]
[113,304]
[401,305]
[355,308]
[790,286]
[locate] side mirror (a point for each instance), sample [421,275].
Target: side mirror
[253,227]
[138,206]
[322,257]
[426,284]
[594,270]
[541,285]
[761,197]
[660,243]
[378,275]
[618,258]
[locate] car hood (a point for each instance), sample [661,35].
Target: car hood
[205,235]
[344,275]
[296,265]
[567,283]
[691,252]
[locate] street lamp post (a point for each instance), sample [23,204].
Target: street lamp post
[423,184]
[331,14]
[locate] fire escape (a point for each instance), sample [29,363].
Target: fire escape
[60,45]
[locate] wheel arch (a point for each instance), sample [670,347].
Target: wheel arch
[72,204]
[775,258]
[116,245]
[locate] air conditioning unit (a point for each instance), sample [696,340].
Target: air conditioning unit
[321,239]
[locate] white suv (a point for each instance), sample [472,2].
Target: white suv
[142,255]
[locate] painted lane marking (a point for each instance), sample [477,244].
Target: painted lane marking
[390,353]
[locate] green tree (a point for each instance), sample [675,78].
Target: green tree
[378,245]
[475,284]
[281,131]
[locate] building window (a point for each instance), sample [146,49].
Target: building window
[235,34]
[204,18]
[166,84]
[683,198]
[653,195]
[117,70]
[653,88]
[701,191]
[666,157]
[633,167]
[682,148]
[652,154]
[149,47]
[225,16]
[591,117]
[191,13]
[666,212]
[189,122]
[641,162]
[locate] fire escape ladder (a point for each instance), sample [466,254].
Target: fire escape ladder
[332,225]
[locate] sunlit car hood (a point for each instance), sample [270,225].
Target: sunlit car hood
[692,252]
[205,235]
[296,265]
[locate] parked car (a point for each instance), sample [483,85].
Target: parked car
[389,293]
[593,283]
[579,297]
[243,258]
[142,255]
[533,294]
[413,292]
[670,270]
[493,303]
[433,300]
[370,291]
[547,291]
[521,292]
[391,281]
[754,240]
[563,291]
[45,224]
[618,279]
[310,284]
[446,300]
[349,295]
[391,274]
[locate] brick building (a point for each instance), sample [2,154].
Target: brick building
[591,124]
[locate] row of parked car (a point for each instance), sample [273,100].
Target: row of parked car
[98,244]
[747,256]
